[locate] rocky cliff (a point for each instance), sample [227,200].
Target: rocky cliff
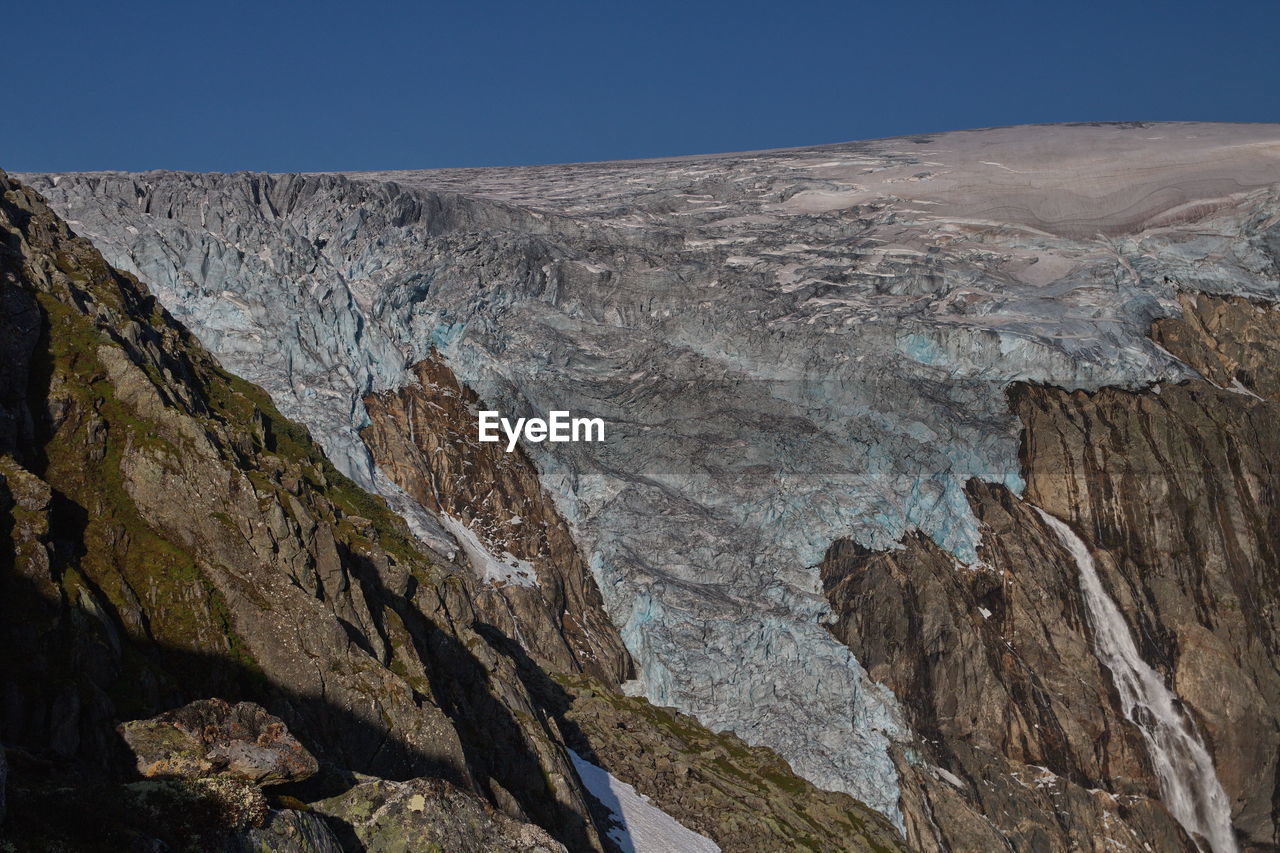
[1175,491]
[423,438]
[1010,703]
[174,536]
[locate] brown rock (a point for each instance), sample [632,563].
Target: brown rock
[191,541]
[747,799]
[1175,490]
[424,438]
[285,831]
[1020,741]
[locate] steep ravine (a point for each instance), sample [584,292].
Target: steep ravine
[1175,492]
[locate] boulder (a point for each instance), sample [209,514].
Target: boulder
[211,737]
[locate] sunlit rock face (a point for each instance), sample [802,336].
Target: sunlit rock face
[536,588]
[789,348]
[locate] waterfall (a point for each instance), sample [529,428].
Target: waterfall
[1189,786]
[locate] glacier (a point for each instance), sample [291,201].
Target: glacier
[788,347]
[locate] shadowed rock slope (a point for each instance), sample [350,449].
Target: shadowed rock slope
[169,537]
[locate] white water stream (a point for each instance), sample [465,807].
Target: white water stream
[1189,786]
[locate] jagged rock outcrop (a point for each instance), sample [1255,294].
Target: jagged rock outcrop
[286,831]
[79,810]
[174,537]
[210,737]
[423,438]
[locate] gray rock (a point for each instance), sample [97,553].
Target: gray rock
[196,810]
[429,816]
[232,553]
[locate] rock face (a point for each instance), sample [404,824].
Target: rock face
[169,533]
[744,798]
[1174,490]
[423,438]
[211,737]
[1021,746]
[287,832]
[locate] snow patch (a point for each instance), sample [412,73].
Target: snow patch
[643,827]
[950,777]
[497,570]
[422,523]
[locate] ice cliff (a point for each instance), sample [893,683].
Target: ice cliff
[789,347]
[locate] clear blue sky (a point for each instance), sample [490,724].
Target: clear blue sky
[372,85]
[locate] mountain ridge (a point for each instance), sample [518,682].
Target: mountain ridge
[879,300]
